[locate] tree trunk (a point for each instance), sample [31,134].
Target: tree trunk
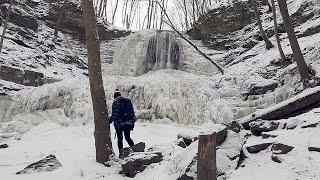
[5,25]
[102,128]
[276,31]
[302,66]
[115,11]
[61,14]
[207,167]
[263,34]
[185,14]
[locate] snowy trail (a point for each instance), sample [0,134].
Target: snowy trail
[74,148]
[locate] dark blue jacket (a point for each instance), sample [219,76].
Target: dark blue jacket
[122,114]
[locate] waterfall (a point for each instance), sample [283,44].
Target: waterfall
[163,52]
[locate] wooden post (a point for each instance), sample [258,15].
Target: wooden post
[207,167]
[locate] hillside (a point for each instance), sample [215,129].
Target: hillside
[46,108]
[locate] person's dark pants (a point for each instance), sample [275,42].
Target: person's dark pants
[126,136]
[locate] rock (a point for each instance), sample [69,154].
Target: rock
[310,124]
[21,18]
[315,149]
[125,152]
[222,136]
[187,139]
[276,158]
[279,148]
[257,127]
[258,89]
[265,135]
[234,17]
[181,143]
[228,157]
[137,162]
[20,76]
[185,177]
[258,147]
[48,164]
[73,23]
[234,126]
[3,146]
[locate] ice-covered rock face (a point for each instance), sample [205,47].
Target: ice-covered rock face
[152,50]
[163,52]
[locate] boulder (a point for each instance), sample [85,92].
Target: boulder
[137,162]
[310,124]
[187,139]
[315,149]
[276,158]
[266,135]
[180,143]
[257,127]
[3,146]
[48,164]
[125,152]
[279,148]
[258,147]
[234,126]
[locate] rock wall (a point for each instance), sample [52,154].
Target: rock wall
[222,21]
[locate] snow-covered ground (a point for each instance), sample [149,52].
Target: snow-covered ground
[74,148]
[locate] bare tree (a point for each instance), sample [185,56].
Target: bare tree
[302,66]
[276,31]
[185,13]
[115,11]
[61,14]
[102,128]
[5,25]
[263,34]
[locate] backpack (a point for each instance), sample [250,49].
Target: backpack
[127,112]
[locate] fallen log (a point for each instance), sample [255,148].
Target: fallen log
[306,99]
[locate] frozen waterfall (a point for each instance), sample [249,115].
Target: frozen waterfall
[152,50]
[163,52]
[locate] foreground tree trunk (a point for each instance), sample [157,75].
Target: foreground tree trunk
[102,128]
[302,66]
[207,167]
[263,34]
[5,25]
[276,31]
[61,14]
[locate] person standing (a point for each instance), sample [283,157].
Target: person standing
[123,117]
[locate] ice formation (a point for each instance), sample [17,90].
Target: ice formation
[151,50]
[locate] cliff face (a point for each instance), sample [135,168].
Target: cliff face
[222,21]
[29,53]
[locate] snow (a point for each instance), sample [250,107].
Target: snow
[57,118]
[74,148]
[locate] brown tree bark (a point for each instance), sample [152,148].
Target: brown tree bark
[102,128]
[207,167]
[59,19]
[276,31]
[263,34]
[302,66]
[5,25]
